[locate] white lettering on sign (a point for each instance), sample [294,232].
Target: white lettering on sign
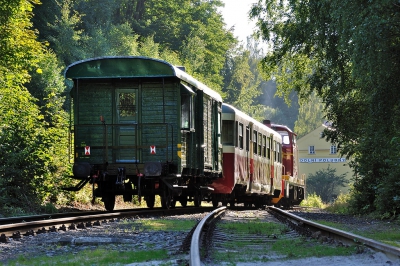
[322,160]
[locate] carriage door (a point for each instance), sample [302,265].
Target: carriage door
[125,128]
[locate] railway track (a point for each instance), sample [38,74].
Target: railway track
[205,239]
[316,230]
[17,227]
[260,243]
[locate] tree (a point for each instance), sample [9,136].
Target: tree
[326,184]
[310,117]
[18,45]
[48,87]
[67,38]
[348,53]
[241,85]
[29,134]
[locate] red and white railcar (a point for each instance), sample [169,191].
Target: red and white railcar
[252,161]
[292,185]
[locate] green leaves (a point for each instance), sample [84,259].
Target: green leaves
[348,53]
[326,183]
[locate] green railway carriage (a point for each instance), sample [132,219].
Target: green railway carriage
[141,126]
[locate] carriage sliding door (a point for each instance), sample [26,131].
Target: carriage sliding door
[125,128]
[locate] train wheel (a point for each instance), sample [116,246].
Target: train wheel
[183,202]
[150,201]
[173,203]
[166,199]
[109,202]
[197,199]
[127,196]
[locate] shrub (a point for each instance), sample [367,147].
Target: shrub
[313,200]
[341,204]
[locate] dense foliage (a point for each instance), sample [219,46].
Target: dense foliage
[38,40]
[348,53]
[326,184]
[30,133]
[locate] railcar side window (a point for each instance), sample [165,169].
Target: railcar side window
[279,153]
[227,132]
[269,148]
[186,112]
[240,134]
[220,127]
[264,149]
[247,138]
[255,142]
[259,143]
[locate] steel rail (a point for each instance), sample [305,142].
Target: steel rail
[9,230]
[196,238]
[302,224]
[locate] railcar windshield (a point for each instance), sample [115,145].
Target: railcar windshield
[285,137]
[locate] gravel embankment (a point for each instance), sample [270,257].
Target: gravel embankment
[116,236]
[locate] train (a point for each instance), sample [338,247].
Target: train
[143,127]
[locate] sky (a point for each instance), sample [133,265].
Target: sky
[235,13]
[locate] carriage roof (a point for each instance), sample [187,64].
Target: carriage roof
[226,108]
[132,67]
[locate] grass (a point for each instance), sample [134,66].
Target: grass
[301,248]
[380,233]
[168,225]
[276,244]
[104,256]
[96,257]
[256,227]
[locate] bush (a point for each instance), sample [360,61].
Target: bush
[341,204]
[326,183]
[313,200]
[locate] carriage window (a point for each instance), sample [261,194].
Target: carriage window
[127,105]
[278,152]
[264,147]
[219,122]
[259,143]
[227,132]
[186,112]
[247,138]
[269,148]
[255,142]
[240,133]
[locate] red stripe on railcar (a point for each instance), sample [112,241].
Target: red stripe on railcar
[226,184]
